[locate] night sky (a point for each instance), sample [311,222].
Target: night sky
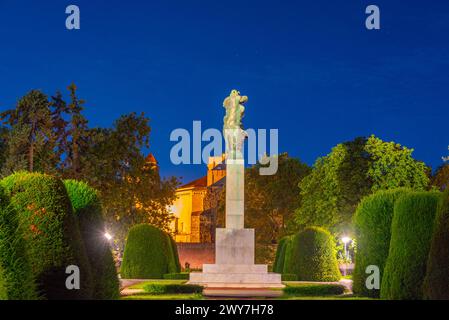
[310,68]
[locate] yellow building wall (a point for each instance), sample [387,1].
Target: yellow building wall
[182,209]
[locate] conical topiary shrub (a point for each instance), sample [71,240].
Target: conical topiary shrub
[372,222]
[87,208]
[148,254]
[411,234]
[50,229]
[16,278]
[311,255]
[278,265]
[436,282]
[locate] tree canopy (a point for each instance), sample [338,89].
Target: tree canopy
[354,169]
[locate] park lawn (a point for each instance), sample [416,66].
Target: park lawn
[145,296]
[161,281]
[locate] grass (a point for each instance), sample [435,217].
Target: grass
[163,288]
[143,284]
[164,297]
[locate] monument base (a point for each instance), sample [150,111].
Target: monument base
[234,264]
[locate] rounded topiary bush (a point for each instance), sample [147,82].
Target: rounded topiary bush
[16,277]
[411,233]
[148,254]
[372,223]
[278,265]
[312,256]
[436,282]
[50,229]
[87,208]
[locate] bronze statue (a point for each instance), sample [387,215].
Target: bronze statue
[232,124]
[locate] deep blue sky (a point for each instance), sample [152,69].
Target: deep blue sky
[310,68]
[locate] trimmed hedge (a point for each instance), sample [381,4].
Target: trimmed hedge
[411,233]
[289,277]
[312,256]
[307,289]
[148,254]
[174,266]
[16,277]
[278,265]
[290,257]
[176,276]
[372,222]
[87,208]
[51,233]
[436,282]
[161,288]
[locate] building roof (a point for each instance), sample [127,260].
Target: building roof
[201,182]
[151,159]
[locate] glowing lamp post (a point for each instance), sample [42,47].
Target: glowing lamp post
[345,241]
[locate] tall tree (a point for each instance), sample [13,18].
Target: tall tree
[75,141]
[351,171]
[3,145]
[131,191]
[31,129]
[441,177]
[270,201]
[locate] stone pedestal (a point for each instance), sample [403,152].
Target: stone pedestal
[235,193]
[234,264]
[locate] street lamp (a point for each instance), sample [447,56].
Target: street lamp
[108,236]
[346,240]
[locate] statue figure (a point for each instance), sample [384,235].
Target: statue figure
[232,124]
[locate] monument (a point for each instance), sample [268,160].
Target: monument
[234,245]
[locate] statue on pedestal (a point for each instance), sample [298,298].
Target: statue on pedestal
[232,124]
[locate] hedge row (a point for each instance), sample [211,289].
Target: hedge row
[405,234]
[162,288]
[411,235]
[372,223]
[436,282]
[149,254]
[309,289]
[44,239]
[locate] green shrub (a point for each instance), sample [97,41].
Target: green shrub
[312,256]
[290,257]
[16,278]
[307,289]
[289,277]
[148,254]
[436,282]
[51,233]
[411,233]
[372,223]
[173,262]
[162,288]
[176,276]
[87,208]
[278,265]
